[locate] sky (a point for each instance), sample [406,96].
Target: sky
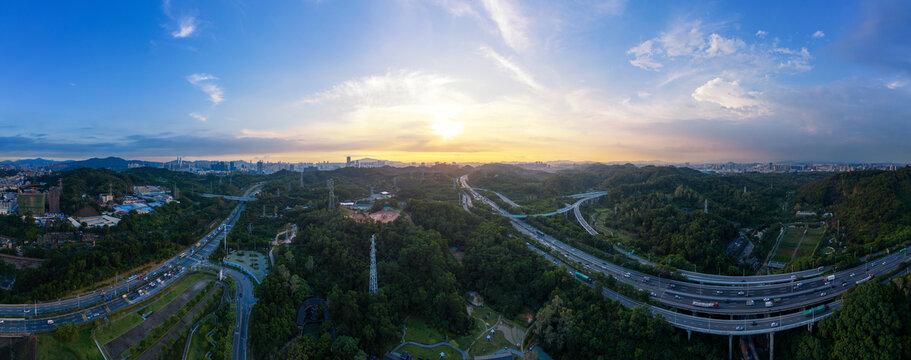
[457,80]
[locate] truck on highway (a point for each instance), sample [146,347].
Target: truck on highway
[705,304]
[750,302]
[768,304]
[50,322]
[583,277]
[830,278]
[814,311]
[864,279]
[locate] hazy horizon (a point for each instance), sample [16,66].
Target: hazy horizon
[453,80]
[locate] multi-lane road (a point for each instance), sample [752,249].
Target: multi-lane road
[744,297]
[151,283]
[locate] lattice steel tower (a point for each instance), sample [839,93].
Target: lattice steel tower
[331,184]
[373,264]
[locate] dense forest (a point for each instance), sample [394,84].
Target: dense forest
[874,323]
[872,207]
[420,276]
[656,210]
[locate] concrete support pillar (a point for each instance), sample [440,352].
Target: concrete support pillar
[689,334]
[730,347]
[772,346]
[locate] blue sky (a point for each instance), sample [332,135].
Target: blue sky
[457,80]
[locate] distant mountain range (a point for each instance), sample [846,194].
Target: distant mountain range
[112,162]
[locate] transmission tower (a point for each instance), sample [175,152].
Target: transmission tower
[302,178]
[372,264]
[331,184]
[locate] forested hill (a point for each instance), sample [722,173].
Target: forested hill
[873,207]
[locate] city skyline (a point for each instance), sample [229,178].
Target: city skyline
[464,81]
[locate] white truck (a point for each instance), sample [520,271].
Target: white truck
[830,278]
[768,304]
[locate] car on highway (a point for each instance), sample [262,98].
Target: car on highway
[822,294]
[853,274]
[627,275]
[766,299]
[844,283]
[719,292]
[655,295]
[741,293]
[677,297]
[739,328]
[774,324]
[671,286]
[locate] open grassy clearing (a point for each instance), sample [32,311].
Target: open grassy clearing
[254,262]
[198,344]
[117,327]
[124,323]
[810,241]
[82,348]
[419,331]
[432,353]
[497,341]
[138,333]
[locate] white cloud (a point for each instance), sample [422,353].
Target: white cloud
[686,49]
[199,117]
[761,33]
[206,83]
[794,59]
[897,84]
[516,71]
[643,55]
[819,34]
[731,96]
[392,88]
[513,26]
[682,41]
[721,46]
[455,7]
[187,26]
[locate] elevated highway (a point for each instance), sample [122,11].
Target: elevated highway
[169,272]
[742,296]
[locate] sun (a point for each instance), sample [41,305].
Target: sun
[444,126]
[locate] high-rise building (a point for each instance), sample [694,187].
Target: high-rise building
[31,203]
[53,200]
[259,167]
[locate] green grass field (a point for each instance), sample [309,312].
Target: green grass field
[419,331]
[117,327]
[432,353]
[255,262]
[484,347]
[788,243]
[198,345]
[82,348]
[813,237]
[126,322]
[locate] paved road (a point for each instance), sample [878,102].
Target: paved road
[732,300]
[244,300]
[759,324]
[153,282]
